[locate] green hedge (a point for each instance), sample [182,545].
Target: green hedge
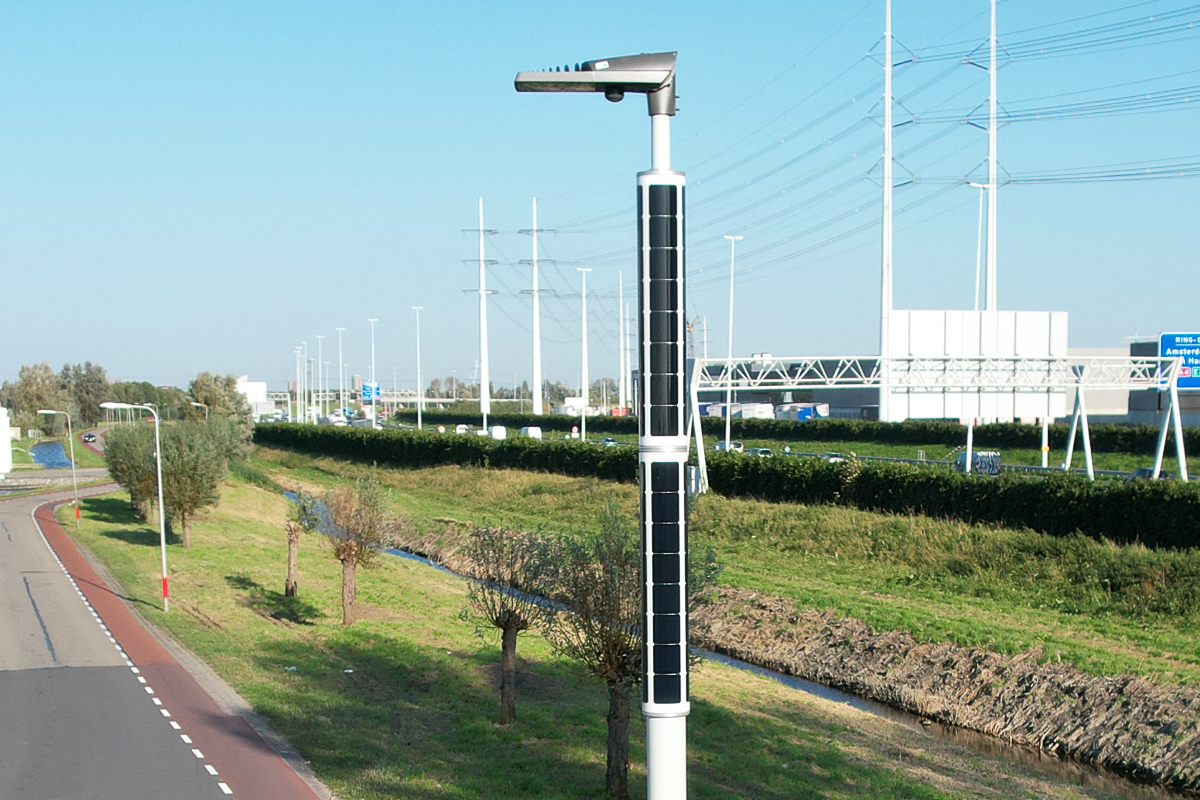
[1106,438]
[1157,514]
[399,448]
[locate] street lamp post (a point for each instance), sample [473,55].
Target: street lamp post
[583,271]
[733,240]
[71,440]
[374,386]
[320,360]
[341,375]
[204,406]
[162,509]
[420,385]
[662,421]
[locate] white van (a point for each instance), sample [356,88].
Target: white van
[533,432]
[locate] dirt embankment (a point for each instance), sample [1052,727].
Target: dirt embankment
[1126,724]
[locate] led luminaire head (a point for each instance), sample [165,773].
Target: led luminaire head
[652,74]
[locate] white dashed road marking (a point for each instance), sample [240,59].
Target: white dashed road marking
[167,714]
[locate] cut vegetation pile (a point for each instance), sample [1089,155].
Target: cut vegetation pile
[1125,723]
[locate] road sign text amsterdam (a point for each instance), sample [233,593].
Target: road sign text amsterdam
[1187,347]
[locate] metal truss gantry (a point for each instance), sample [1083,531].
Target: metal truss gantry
[952,374]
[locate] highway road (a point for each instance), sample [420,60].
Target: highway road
[91,705]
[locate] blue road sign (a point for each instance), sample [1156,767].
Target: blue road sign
[370,391]
[1187,347]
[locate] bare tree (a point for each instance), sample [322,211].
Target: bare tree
[599,580]
[358,529]
[304,515]
[506,571]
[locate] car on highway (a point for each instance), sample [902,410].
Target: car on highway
[89,437]
[761,452]
[832,458]
[609,441]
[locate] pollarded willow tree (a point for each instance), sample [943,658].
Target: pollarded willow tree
[193,468]
[507,571]
[304,515]
[129,456]
[598,581]
[358,530]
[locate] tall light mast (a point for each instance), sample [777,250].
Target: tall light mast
[885,300]
[990,304]
[537,322]
[622,395]
[485,396]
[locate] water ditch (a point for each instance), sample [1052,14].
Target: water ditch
[50,454]
[1063,770]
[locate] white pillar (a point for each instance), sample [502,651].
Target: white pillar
[583,271]
[885,299]
[990,305]
[320,361]
[733,240]
[420,383]
[621,395]
[537,322]
[341,374]
[485,396]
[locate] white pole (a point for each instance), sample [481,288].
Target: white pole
[374,383]
[979,242]
[991,236]
[1177,424]
[970,444]
[485,395]
[629,346]
[537,323]
[304,378]
[320,358]
[885,300]
[341,374]
[621,396]
[1045,442]
[294,416]
[420,383]
[733,240]
[583,271]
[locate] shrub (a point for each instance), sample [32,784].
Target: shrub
[1156,513]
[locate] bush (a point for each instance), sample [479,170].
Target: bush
[1155,513]
[413,449]
[1106,438]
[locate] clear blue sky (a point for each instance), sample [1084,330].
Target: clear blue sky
[201,186]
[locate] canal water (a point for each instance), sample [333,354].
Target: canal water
[50,454]
[1063,770]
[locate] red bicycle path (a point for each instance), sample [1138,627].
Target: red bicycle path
[243,760]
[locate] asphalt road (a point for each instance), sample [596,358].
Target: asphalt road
[91,705]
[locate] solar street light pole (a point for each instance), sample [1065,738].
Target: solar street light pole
[662,424]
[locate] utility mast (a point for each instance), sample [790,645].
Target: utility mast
[885,317]
[537,322]
[485,398]
[990,304]
[622,394]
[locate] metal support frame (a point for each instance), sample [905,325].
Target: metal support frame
[955,374]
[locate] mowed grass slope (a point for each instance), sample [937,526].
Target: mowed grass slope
[1108,609]
[402,705]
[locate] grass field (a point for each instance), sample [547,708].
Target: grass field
[1107,609]
[414,718]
